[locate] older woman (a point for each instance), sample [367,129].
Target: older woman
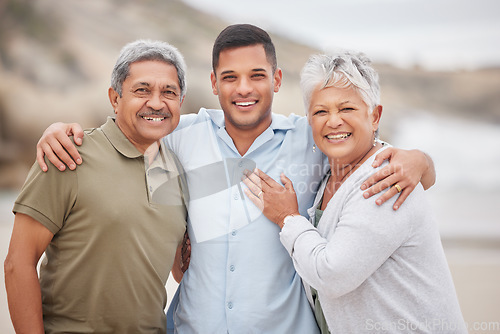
[367,268]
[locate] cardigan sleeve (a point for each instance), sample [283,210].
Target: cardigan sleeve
[364,237]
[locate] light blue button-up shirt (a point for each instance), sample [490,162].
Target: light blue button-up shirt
[241,279]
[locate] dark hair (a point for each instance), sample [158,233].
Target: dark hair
[239,35]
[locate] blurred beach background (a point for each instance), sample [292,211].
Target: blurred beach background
[439,66]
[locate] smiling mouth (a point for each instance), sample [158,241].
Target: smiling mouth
[154,118]
[245,104]
[339,136]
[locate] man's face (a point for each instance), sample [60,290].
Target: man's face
[149,108]
[245,84]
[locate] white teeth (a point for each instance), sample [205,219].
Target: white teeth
[245,104]
[153,119]
[340,136]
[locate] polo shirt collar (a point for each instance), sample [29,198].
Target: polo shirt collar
[118,139]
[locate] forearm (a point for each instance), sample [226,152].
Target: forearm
[359,246]
[429,176]
[24,298]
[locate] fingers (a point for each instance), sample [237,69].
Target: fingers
[77,131]
[59,149]
[402,197]
[287,182]
[45,149]
[185,253]
[379,181]
[253,181]
[384,155]
[39,158]
[257,200]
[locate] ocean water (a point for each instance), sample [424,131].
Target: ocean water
[466,154]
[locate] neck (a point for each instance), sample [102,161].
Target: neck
[243,137]
[341,171]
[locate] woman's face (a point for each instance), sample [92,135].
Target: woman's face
[342,125]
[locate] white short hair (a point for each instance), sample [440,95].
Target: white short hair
[342,70]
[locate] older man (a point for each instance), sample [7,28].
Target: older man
[109,245]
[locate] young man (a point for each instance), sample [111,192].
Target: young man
[109,246]
[241,279]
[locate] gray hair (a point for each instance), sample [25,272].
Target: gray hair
[342,70]
[141,50]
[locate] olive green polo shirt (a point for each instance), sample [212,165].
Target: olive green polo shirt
[113,247]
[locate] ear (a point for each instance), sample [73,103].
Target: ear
[213,79]
[113,98]
[278,77]
[182,100]
[376,115]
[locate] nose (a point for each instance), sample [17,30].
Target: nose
[334,120]
[155,101]
[244,87]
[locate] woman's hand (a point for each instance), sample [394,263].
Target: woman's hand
[57,146]
[274,200]
[406,169]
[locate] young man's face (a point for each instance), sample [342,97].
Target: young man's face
[245,83]
[149,108]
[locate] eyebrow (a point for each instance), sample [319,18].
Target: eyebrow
[253,70]
[173,87]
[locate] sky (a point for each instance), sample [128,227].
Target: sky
[433,34]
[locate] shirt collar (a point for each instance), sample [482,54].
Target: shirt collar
[162,159]
[118,139]
[279,122]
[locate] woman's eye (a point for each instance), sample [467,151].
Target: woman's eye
[318,112]
[347,109]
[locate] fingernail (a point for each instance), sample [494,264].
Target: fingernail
[72,166]
[366,195]
[78,161]
[363,187]
[396,207]
[378,202]
[61,168]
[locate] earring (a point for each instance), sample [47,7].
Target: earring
[314,148]
[374,141]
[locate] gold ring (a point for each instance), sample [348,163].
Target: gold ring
[260,193]
[398,188]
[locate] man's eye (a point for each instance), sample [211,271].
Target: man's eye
[258,76]
[229,78]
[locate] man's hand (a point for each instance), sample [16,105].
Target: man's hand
[182,258]
[57,146]
[406,168]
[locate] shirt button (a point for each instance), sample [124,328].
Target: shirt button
[233,233]
[240,164]
[235,196]
[151,188]
[230,305]
[231,267]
